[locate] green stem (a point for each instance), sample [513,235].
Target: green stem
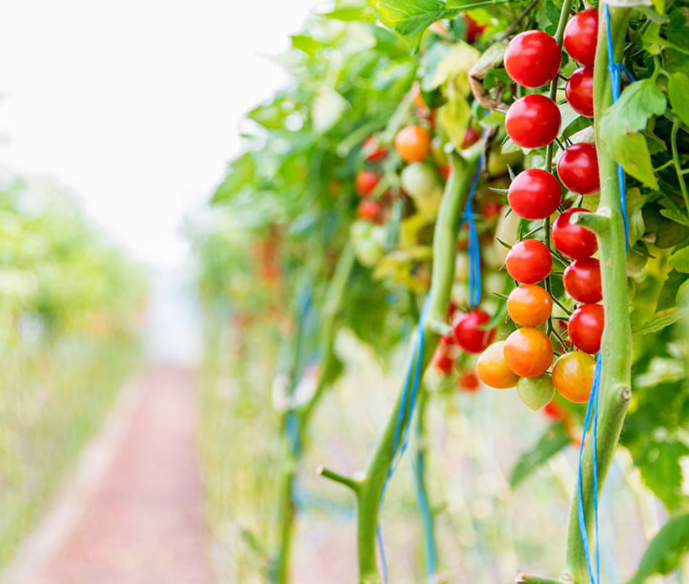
[678,164]
[444,252]
[616,347]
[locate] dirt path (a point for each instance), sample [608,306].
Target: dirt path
[143,522]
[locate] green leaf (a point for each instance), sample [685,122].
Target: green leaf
[660,469]
[668,293]
[305,43]
[680,260]
[676,216]
[411,18]
[360,13]
[664,553]
[622,122]
[554,440]
[678,91]
[240,174]
[658,323]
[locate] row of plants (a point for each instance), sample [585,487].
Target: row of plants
[498,187]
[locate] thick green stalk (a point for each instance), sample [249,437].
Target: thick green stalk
[615,389]
[444,252]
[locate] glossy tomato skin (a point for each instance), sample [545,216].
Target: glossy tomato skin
[468,335]
[473,29]
[573,376]
[579,91]
[533,58]
[366,181]
[582,280]
[373,151]
[370,211]
[413,143]
[574,241]
[581,36]
[578,169]
[528,352]
[492,368]
[529,261]
[534,194]
[586,327]
[533,121]
[529,305]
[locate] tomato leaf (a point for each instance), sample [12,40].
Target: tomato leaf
[668,293]
[658,323]
[678,90]
[680,260]
[622,122]
[666,549]
[241,172]
[411,18]
[553,440]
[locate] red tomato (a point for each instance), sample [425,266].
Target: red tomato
[586,327]
[471,136]
[492,368]
[578,169]
[468,335]
[582,280]
[491,209]
[553,411]
[574,241]
[579,91]
[413,143]
[573,376]
[469,381]
[533,58]
[370,211]
[473,30]
[534,194]
[528,352]
[529,261]
[581,36]
[366,181]
[529,305]
[373,151]
[533,121]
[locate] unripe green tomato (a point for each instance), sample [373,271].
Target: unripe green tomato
[368,242]
[536,392]
[419,181]
[460,294]
[499,161]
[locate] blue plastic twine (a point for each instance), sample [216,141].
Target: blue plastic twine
[419,468]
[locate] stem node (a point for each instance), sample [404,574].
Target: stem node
[352,483]
[596,222]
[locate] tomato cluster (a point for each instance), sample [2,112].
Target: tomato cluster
[532,59]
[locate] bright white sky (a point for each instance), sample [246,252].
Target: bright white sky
[134,105]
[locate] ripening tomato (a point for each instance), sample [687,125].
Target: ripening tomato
[534,194]
[579,91]
[574,241]
[473,29]
[471,136]
[582,280]
[553,411]
[529,261]
[581,36]
[529,305]
[373,151]
[533,121]
[533,58]
[586,327]
[469,381]
[469,335]
[366,181]
[370,211]
[573,376]
[528,352]
[577,168]
[413,143]
[492,367]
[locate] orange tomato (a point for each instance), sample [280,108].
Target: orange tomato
[413,143]
[528,352]
[529,305]
[573,376]
[492,368]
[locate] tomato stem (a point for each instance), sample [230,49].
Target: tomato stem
[678,164]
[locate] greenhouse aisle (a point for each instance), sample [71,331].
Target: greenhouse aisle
[143,521]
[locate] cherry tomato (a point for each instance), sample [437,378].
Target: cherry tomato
[373,151]
[469,381]
[533,121]
[468,335]
[573,376]
[582,280]
[553,411]
[529,261]
[473,30]
[528,352]
[370,211]
[366,181]
[581,36]
[492,367]
[533,58]
[491,209]
[579,91]
[447,341]
[574,241]
[471,136]
[534,194]
[578,169]
[443,362]
[529,305]
[413,143]
[586,327]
